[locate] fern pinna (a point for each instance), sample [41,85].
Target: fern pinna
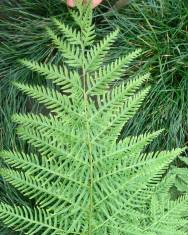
[82,179]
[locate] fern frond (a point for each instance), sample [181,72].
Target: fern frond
[30,221]
[168,214]
[109,73]
[112,123]
[82,179]
[130,146]
[95,56]
[73,36]
[84,21]
[42,169]
[181,181]
[143,160]
[53,100]
[32,188]
[162,190]
[146,176]
[47,146]
[51,124]
[59,75]
[112,101]
[69,51]
[45,194]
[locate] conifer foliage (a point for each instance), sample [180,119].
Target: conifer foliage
[81,178]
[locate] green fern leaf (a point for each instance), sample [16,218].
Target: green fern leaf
[95,56]
[73,36]
[109,73]
[59,75]
[23,218]
[70,52]
[82,179]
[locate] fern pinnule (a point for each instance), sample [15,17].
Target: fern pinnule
[70,52]
[95,56]
[73,36]
[109,73]
[59,75]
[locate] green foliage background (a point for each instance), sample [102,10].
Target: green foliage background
[161,29]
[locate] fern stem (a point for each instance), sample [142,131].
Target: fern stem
[91,166]
[90,183]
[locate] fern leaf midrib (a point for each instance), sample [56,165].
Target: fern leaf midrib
[88,143]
